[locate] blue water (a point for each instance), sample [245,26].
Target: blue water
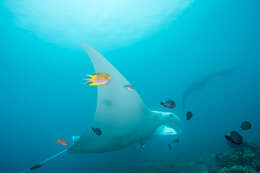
[43,98]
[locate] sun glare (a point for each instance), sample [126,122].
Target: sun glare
[103,24]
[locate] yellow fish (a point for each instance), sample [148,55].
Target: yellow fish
[98,79]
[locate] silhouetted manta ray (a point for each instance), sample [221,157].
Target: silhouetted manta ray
[198,84]
[125,121]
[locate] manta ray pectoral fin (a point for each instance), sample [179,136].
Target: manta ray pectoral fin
[118,117]
[165,131]
[117,120]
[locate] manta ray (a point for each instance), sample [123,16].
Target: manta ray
[124,121]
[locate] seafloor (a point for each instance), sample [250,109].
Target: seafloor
[235,159]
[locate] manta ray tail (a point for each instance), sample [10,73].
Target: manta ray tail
[42,163]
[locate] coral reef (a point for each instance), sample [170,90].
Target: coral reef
[237,169]
[237,159]
[173,166]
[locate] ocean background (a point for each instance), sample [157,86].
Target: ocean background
[43,96]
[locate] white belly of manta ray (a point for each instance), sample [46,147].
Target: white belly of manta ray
[120,115]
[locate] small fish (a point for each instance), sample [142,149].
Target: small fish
[129,87]
[188,115]
[98,79]
[97,131]
[177,140]
[36,166]
[62,142]
[246,125]
[142,145]
[169,146]
[169,104]
[235,138]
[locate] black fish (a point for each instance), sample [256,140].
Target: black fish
[188,115]
[169,146]
[129,87]
[169,104]
[97,131]
[235,138]
[142,145]
[177,140]
[246,125]
[36,166]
